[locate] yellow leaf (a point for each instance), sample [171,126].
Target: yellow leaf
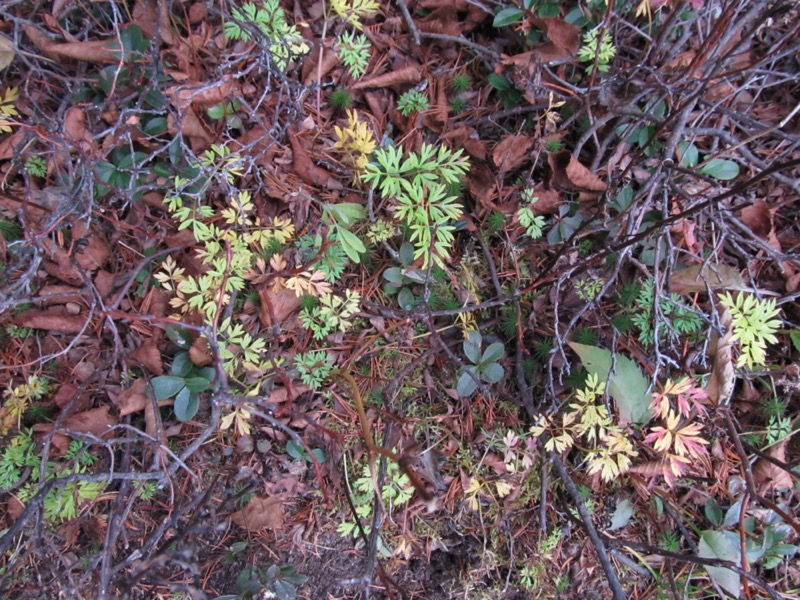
[503,488]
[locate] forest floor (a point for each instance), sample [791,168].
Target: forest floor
[404,299]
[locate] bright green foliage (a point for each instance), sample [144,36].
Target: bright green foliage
[63,502]
[341,98]
[413,101]
[676,319]
[354,52]
[332,314]
[7,109]
[19,453]
[532,223]
[352,11]
[587,289]
[313,367]
[285,41]
[396,492]
[485,367]
[593,46]
[185,383]
[754,325]
[417,184]
[36,166]
[339,218]
[460,83]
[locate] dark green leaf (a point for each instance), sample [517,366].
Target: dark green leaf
[493,353]
[507,16]
[716,544]
[406,299]
[472,347]
[466,385]
[198,384]
[492,373]
[166,386]
[181,364]
[186,404]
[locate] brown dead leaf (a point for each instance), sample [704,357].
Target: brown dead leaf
[758,218]
[133,399]
[723,375]
[55,318]
[570,174]
[144,15]
[409,75]
[97,52]
[276,307]
[769,477]
[149,356]
[260,513]
[511,152]
[698,278]
[305,168]
[564,35]
[200,353]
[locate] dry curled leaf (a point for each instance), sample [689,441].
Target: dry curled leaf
[6,52]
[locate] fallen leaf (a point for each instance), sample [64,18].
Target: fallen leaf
[53,319]
[305,167]
[511,152]
[150,358]
[570,174]
[260,513]
[769,477]
[723,374]
[405,76]
[133,399]
[97,51]
[562,34]
[698,278]
[6,52]
[276,307]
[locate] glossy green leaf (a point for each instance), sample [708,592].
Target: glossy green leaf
[507,16]
[628,386]
[181,364]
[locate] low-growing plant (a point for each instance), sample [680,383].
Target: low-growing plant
[754,325]
[485,366]
[341,98]
[595,47]
[185,383]
[285,41]
[413,101]
[313,367]
[354,52]
[8,109]
[332,313]
[675,318]
[36,166]
[417,185]
[528,220]
[356,143]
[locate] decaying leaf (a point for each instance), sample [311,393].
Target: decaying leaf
[723,374]
[511,152]
[698,278]
[260,513]
[769,477]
